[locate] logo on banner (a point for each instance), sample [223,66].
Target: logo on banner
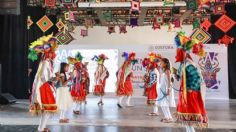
[209,68]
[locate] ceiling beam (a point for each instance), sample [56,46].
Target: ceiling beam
[126,4]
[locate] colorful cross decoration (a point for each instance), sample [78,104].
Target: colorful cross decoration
[168,2]
[63,37]
[107,16]
[206,24]
[44,23]
[196,24]
[201,35]
[226,40]
[123,29]
[88,23]
[67,3]
[29,22]
[60,24]
[69,16]
[224,23]
[111,29]
[135,6]
[219,9]
[84,32]
[50,3]
[177,23]
[191,4]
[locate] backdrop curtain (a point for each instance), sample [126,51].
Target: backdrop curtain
[15,39]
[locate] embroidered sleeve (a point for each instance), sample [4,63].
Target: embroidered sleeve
[153,79]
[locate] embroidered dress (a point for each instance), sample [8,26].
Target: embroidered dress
[43,75]
[64,98]
[124,83]
[101,75]
[152,87]
[78,91]
[191,111]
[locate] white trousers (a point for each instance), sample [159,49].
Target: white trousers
[190,129]
[166,112]
[120,98]
[62,114]
[43,121]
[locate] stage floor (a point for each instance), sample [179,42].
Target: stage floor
[109,118]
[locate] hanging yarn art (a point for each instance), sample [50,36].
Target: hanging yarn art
[83,32]
[219,9]
[60,24]
[135,6]
[111,29]
[168,2]
[196,24]
[206,24]
[225,23]
[50,3]
[63,37]
[201,35]
[44,23]
[122,29]
[226,40]
[29,22]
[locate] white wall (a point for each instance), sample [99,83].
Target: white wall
[137,35]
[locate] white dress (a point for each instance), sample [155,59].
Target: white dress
[64,98]
[162,89]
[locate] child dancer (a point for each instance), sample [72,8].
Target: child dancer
[101,74]
[86,80]
[153,83]
[124,82]
[42,99]
[78,90]
[190,110]
[165,98]
[64,99]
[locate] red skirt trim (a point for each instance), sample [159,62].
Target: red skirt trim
[78,95]
[193,111]
[125,90]
[151,94]
[47,98]
[99,90]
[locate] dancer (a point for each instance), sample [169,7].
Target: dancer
[42,99]
[146,76]
[152,83]
[78,90]
[64,99]
[166,94]
[124,82]
[86,80]
[101,74]
[190,110]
